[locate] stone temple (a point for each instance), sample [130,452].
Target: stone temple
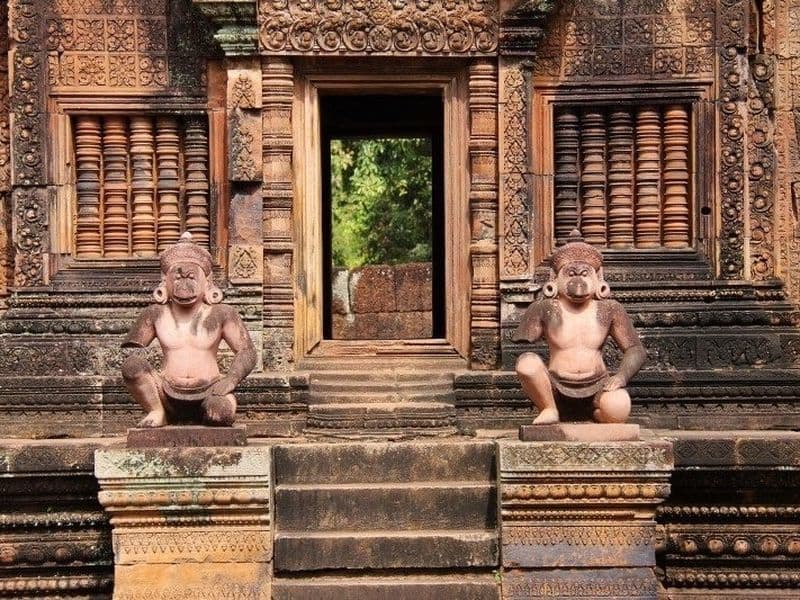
[379,456]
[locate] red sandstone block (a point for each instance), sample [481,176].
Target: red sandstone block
[372,289]
[414,287]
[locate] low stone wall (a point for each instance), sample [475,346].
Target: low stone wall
[382,302]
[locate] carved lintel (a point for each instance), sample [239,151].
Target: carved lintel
[354,27]
[523,27]
[235,24]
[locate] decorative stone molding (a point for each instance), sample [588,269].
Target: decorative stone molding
[188,522]
[407,27]
[523,27]
[578,518]
[235,22]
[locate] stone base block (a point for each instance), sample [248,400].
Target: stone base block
[572,584]
[580,432]
[192,581]
[578,517]
[188,523]
[186,436]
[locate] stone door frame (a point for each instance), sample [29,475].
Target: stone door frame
[308,235]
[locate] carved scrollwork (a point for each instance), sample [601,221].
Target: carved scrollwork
[383,27]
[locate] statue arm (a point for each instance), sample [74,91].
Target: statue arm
[144,329]
[235,335]
[530,327]
[627,339]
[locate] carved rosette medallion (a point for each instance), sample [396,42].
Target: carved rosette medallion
[382,27]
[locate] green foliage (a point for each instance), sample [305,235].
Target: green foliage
[381,194]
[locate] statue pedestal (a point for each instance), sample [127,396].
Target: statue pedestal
[186,436]
[580,432]
[188,522]
[578,518]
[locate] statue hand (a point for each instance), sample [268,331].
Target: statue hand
[614,382]
[223,387]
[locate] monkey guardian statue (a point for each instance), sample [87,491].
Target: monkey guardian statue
[189,323]
[575,317]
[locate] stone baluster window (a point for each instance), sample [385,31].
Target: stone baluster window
[623,175]
[140,181]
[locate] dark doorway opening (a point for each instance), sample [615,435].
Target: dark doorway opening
[383,216]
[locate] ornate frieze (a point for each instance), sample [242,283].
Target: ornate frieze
[412,27]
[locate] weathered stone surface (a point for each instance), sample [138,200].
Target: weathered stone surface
[446,504]
[190,521]
[394,549]
[55,540]
[572,510]
[373,505]
[611,584]
[580,432]
[384,462]
[411,587]
[578,544]
[372,290]
[414,287]
[186,436]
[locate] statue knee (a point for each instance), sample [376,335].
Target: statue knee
[530,365]
[219,410]
[134,367]
[612,407]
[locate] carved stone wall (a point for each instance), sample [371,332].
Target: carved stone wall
[6,259]
[781,52]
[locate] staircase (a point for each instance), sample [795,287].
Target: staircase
[381,402]
[385,520]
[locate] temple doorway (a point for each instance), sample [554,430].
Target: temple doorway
[382,175]
[382,217]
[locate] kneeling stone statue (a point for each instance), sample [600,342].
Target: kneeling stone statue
[575,317]
[189,323]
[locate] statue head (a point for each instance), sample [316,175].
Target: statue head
[186,276]
[577,272]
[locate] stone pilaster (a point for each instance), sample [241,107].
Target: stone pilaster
[577,518]
[188,522]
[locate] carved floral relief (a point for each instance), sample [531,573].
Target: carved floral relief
[378,26]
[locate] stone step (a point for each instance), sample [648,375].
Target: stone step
[384,462]
[301,551]
[411,587]
[386,417]
[410,507]
[377,396]
[429,359]
[380,378]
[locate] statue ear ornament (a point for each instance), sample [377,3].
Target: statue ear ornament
[550,289]
[160,293]
[213,294]
[603,291]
